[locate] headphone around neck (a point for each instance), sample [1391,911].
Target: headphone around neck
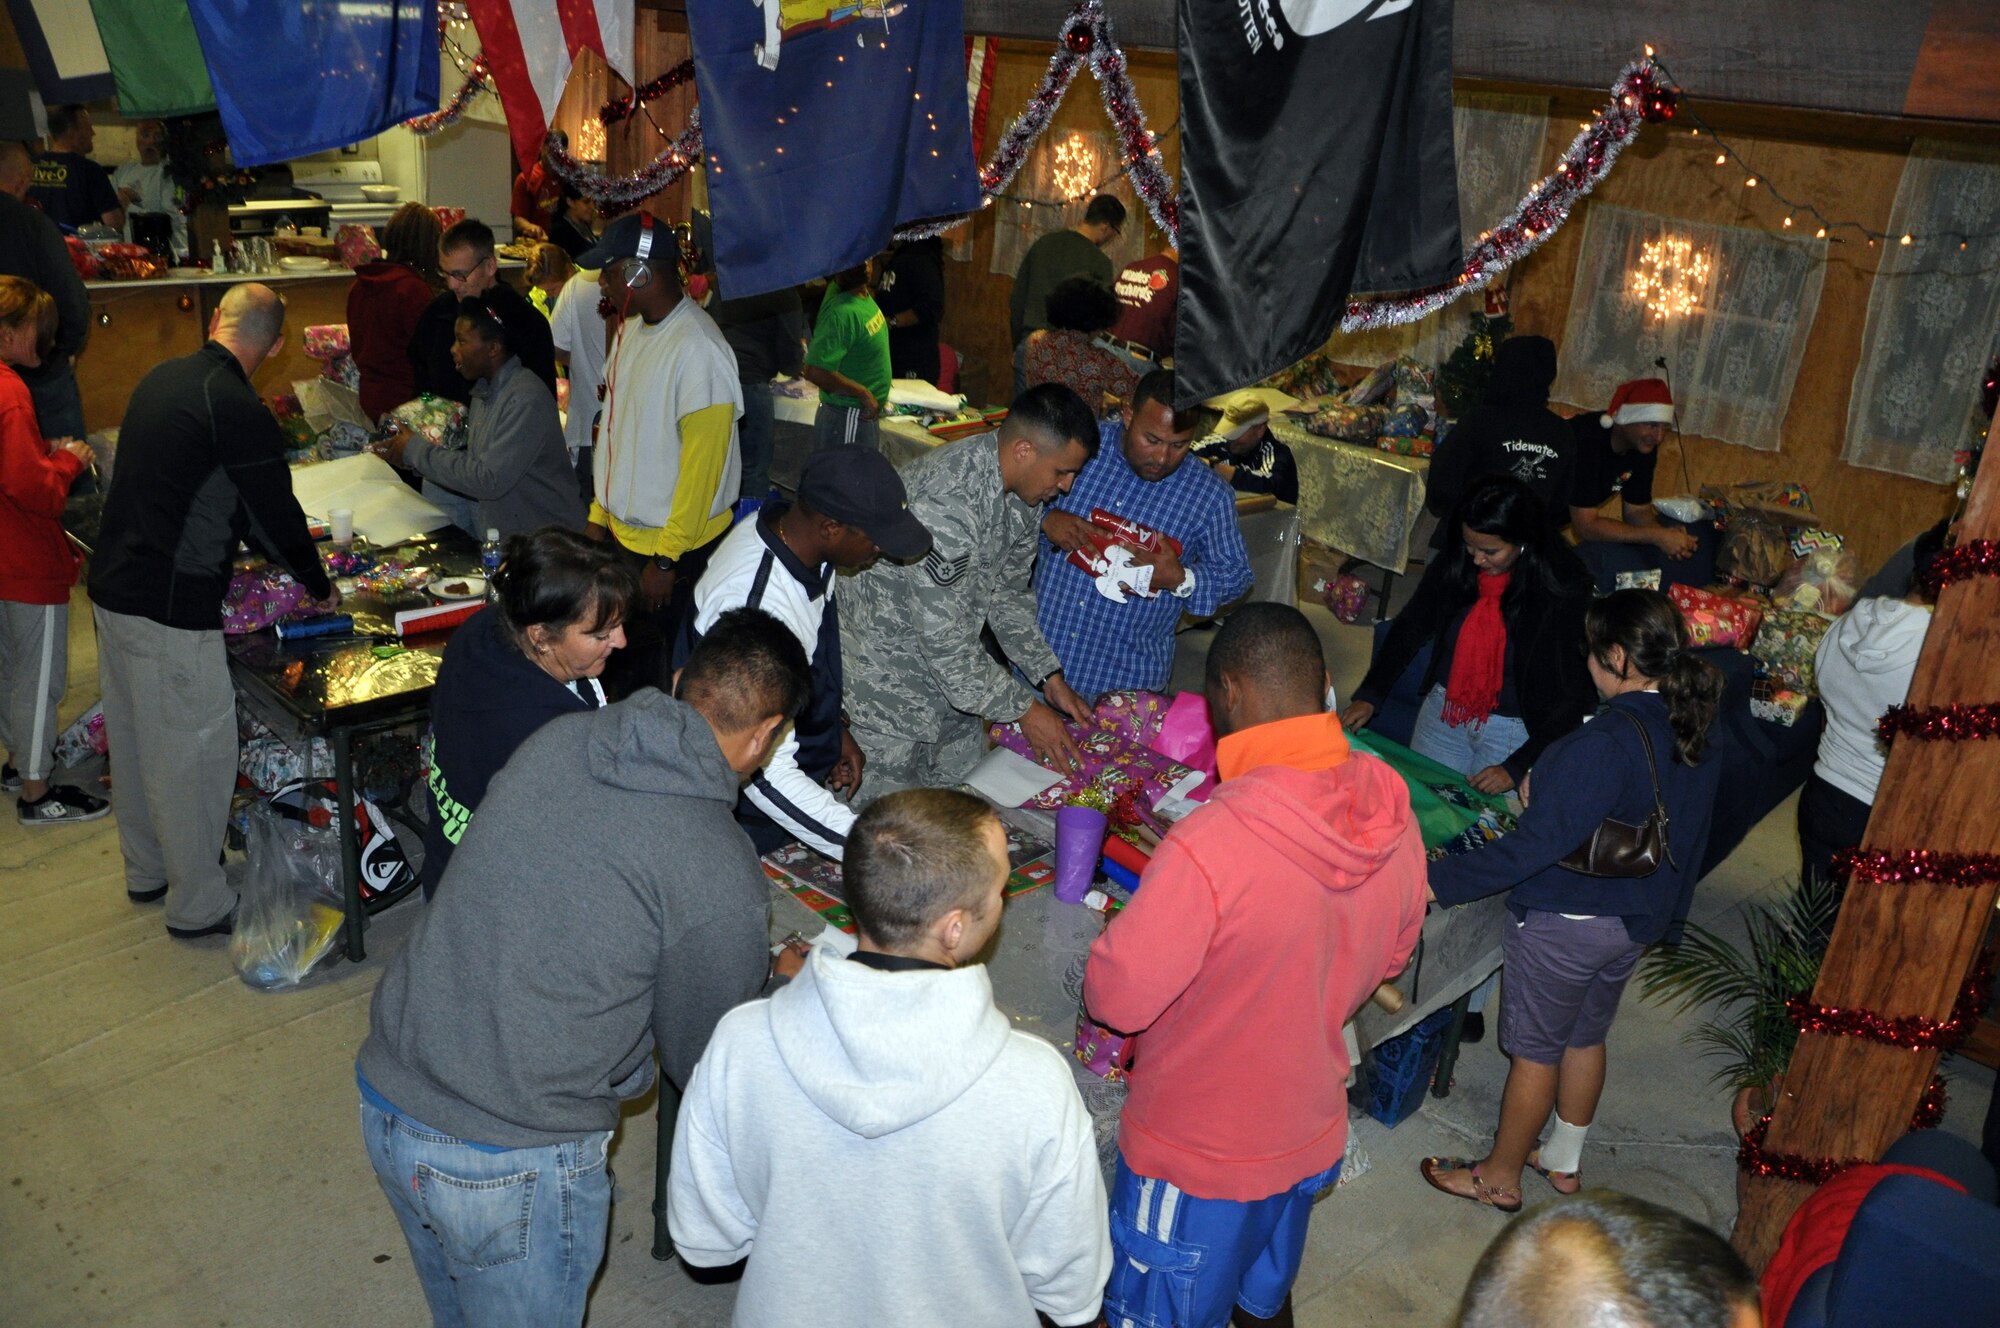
[639,274]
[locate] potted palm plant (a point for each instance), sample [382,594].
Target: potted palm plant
[1746,984]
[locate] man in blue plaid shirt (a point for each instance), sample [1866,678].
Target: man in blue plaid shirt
[1115,630]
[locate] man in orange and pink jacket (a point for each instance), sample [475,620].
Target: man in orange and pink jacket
[1264,921]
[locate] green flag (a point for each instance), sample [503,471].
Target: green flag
[155,58]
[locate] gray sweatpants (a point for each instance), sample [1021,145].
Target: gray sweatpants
[842,426]
[34,673]
[170,719]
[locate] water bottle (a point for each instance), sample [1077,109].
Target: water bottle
[489,558]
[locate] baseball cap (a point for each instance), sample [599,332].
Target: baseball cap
[625,237]
[858,486]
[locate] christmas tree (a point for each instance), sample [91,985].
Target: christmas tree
[1462,378]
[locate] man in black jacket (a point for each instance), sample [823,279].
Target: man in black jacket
[32,249]
[472,271]
[201,466]
[1511,431]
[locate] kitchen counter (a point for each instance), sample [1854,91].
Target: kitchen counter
[210,279]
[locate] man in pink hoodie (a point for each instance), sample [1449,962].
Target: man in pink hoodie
[1264,921]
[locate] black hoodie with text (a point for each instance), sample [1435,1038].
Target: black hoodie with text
[1511,431]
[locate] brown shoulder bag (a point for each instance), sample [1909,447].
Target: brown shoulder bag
[1618,849]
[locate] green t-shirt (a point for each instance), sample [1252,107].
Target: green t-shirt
[852,339]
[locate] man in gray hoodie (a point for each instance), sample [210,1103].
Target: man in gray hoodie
[603,904]
[884,1146]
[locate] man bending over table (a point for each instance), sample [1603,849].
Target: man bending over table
[602,904]
[1264,921]
[921,686]
[1113,625]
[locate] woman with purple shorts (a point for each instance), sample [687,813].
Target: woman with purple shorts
[1577,937]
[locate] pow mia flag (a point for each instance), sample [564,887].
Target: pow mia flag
[1316,163]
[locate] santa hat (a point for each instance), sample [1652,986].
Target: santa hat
[1641,401]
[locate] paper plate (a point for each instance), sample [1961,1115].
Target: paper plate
[470,586]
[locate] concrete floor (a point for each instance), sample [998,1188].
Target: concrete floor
[182,1150]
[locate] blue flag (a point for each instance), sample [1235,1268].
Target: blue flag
[825,131]
[294,79]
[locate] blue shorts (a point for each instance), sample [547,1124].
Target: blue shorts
[1183,1262]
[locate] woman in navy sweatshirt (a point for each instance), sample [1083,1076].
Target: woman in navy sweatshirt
[534,654]
[1576,938]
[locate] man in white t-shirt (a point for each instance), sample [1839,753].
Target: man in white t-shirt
[578,328]
[666,466]
[144,186]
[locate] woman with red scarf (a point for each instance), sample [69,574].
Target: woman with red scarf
[1502,608]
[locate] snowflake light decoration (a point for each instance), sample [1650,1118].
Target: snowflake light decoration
[590,139]
[1669,278]
[1075,172]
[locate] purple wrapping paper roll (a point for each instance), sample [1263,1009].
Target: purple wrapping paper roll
[1080,835]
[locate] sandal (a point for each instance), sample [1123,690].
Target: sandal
[1556,1179]
[1505,1201]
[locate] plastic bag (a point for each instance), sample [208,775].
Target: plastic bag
[284,926]
[1822,582]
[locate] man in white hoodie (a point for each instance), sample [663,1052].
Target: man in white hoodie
[875,1138]
[1864,666]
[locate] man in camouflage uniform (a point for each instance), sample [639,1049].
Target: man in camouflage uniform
[920,686]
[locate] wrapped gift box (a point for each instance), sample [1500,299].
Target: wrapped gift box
[1715,619]
[1347,423]
[1775,703]
[1116,759]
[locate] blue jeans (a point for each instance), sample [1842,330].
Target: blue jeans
[1470,748]
[1178,1261]
[505,1239]
[756,437]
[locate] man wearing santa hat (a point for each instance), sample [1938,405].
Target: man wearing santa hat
[1614,453]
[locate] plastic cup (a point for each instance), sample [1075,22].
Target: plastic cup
[1080,835]
[340,525]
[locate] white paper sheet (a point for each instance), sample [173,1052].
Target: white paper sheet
[1007,779]
[386,510]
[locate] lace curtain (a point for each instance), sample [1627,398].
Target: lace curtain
[1932,312]
[1499,142]
[1088,156]
[1732,359]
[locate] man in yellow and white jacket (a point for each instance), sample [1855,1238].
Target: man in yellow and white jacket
[667,464]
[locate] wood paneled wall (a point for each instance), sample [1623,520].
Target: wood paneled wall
[1673,173]
[975,314]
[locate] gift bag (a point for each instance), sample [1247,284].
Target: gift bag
[1717,620]
[1187,736]
[1823,581]
[1346,597]
[1101,1051]
[357,244]
[83,739]
[1756,548]
[384,868]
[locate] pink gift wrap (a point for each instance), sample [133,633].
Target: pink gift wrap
[356,244]
[1114,760]
[327,341]
[1101,1051]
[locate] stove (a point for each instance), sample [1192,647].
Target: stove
[339,183]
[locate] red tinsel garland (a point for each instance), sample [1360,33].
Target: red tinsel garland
[447,115]
[1912,1032]
[1754,1159]
[1974,558]
[1867,866]
[1642,94]
[623,108]
[1945,723]
[616,194]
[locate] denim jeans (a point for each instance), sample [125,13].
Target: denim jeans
[756,436]
[499,1240]
[1469,748]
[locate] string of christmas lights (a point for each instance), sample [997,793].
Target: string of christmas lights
[1642,95]
[1946,723]
[1756,1160]
[1825,227]
[477,77]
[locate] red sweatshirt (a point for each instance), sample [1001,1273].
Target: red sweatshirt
[383,307]
[38,564]
[1264,921]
